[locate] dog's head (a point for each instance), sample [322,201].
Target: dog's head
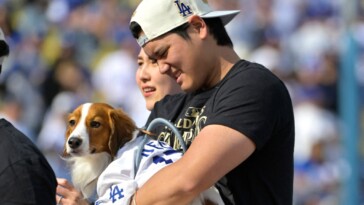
[95,128]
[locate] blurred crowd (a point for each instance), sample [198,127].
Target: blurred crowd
[67,52]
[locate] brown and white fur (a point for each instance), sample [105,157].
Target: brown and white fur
[94,134]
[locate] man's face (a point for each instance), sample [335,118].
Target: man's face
[180,58]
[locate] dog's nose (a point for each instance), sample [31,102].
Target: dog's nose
[74,142]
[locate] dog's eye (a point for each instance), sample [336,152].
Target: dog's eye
[71,122]
[95,124]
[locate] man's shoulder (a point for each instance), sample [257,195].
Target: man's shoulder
[243,67]
[250,74]
[15,145]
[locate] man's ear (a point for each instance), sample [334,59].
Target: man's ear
[199,25]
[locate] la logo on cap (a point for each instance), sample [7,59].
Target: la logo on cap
[184,9]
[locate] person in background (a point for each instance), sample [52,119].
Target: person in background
[25,175]
[154,86]
[236,116]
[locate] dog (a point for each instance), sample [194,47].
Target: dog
[94,134]
[101,147]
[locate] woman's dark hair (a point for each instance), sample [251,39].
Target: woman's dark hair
[215,25]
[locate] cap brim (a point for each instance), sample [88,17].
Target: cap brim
[226,16]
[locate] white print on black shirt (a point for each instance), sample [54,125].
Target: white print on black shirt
[189,125]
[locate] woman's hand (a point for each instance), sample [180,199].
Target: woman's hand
[68,195]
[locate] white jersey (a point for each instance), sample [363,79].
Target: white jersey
[120,180]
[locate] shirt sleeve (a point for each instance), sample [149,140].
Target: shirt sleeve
[249,103]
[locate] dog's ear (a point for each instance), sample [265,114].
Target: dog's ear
[122,127]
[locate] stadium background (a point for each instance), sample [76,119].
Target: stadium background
[65,52]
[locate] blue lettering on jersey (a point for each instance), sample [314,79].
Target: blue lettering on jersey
[184,10]
[158,145]
[114,192]
[147,152]
[154,145]
[169,152]
[159,159]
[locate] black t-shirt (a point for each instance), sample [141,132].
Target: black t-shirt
[253,101]
[25,175]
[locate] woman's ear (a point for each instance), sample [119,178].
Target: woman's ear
[198,25]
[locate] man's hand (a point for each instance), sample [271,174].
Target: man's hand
[68,195]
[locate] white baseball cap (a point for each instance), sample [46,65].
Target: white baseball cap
[157,17]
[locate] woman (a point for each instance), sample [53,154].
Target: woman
[154,86]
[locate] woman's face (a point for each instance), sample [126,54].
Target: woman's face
[153,85]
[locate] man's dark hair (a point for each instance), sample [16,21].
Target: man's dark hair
[135,29]
[4,51]
[215,25]
[4,48]
[218,31]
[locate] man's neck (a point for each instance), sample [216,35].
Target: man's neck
[225,59]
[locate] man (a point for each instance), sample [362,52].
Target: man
[25,175]
[236,117]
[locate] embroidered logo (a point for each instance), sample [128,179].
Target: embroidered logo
[116,193]
[184,9]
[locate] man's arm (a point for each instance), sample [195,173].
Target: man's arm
[28,181]
[214,152]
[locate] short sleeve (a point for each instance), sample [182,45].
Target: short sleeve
[249,102]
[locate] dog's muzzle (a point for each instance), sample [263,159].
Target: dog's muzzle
[74,142]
